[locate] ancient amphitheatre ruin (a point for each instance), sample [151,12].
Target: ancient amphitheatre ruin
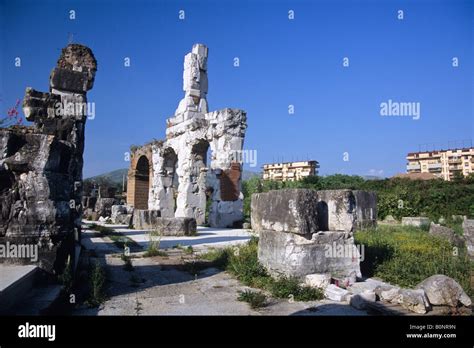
[303,234]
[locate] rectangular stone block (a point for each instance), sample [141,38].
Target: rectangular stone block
[173,226]
[416,221]
[293,255]
[366,209]
[176,226]
[335,293]
[468,227]
[145,219]
[291,210]
[69,80]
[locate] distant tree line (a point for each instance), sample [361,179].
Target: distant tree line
[396,196]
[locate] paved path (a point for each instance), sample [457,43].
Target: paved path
[162,286]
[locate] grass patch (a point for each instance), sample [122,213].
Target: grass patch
[97,285]
[290,288]
[154,252]
[255,299]
[120,241]
[242,262]
[407,255]
[219,258]
[66,278]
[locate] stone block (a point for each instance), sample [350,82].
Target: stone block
[359,301]
[177,226]
[317,280]
[290,211]
[69,80]
[442,290]
[294,255]
[103,206]
[468,228]
[334,293]
[145,219]
[446,233]
[416,221]
[413,300]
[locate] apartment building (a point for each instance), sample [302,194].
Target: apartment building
[442,163]
[290,171]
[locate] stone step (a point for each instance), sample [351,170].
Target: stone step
[16,282]
[38,301]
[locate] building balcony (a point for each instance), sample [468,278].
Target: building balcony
[413,166]
[435,165]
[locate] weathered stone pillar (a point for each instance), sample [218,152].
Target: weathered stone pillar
[42,204]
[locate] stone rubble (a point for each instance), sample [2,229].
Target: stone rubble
[320,281]
[443,290]
[335,293]
[359,301]
[446,233]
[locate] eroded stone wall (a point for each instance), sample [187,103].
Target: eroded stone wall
[41,166]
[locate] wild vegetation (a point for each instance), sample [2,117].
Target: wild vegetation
[397,197]
[242,262]
[405,256]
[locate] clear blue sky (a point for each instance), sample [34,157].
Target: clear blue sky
[282,62]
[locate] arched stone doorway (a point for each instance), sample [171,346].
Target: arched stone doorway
[140,172]
[142,183]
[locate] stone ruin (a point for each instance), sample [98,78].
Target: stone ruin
[41,166]
[173,177]
[304,231]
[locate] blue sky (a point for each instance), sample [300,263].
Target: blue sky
[282,62]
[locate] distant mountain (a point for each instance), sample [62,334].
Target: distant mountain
[247,174]
[116,176]
[372,177]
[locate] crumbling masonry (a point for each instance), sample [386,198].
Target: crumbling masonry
[41,166]
[173,176]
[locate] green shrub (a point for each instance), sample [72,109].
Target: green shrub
[128,263]
[219,257]
[243,263]
[66,278]
[289,287]
[97,285]
[406,255]
[431,198]
[151,251]
[253,298]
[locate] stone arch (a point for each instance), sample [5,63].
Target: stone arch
[139,183]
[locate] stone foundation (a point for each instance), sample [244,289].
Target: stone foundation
[293,255]
[306,231]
